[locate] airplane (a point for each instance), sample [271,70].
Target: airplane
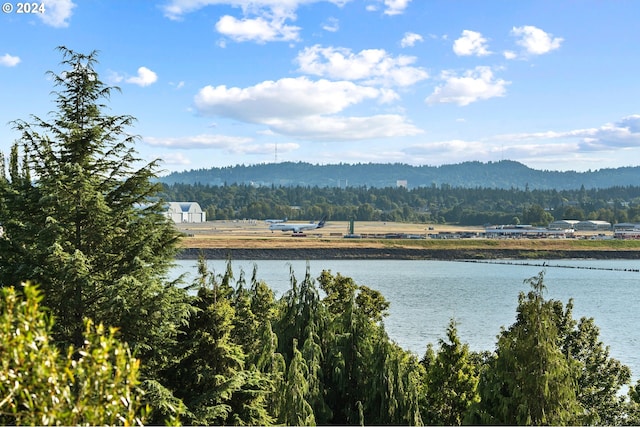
[297,228]
[275,221]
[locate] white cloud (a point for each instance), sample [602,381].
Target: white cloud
[175,159]
[395,7]
[410,39]
[323,128]
[305,109]
[198,141]
[557,148]
[471,43]
[261,149]
[372,66]
[176,9]
[258,29]
[446,147]
[7,60]
[57,12]
[624,133]
[331,25]
[145,77]
[284,99]
[474,85]
[534,41]
[262,21]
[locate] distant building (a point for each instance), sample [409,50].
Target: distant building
[402,183]
[593,225]
[185,212]
[563,223]
[626,226]
[526,231]
[626,230]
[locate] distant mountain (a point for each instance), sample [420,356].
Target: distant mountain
[502,174]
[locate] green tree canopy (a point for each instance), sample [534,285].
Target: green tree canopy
[530,381]
[40,385]
[81,219]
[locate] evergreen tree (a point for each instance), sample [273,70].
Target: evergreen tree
[81,219]
[530,381]
[601,377]
[303,318]
[210,376]
[451,381]
[368,378]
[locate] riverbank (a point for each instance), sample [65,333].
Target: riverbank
[253,241]
[361,253]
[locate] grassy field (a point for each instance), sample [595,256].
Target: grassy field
[256,234]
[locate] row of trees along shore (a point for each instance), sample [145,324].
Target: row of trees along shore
[92,331]
[435,204]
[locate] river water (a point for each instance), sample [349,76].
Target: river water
[481,297]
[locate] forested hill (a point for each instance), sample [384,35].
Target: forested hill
[503,174]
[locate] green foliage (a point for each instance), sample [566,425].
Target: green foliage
[81,218]
[209,375]
[434,204]
[90,385]
[550,368]
[451,381]
[601,378]
[368,378]
[531,382]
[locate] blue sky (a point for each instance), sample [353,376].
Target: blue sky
[551,84]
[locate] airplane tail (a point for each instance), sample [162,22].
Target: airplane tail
[322,221]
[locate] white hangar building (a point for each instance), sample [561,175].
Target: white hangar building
[185,212]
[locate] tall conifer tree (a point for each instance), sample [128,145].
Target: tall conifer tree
[530,381]
[80,218]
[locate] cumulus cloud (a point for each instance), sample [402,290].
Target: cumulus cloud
[410,39]
[262,21]
[471,43]
[258,29]
[301,108]
[197,141]
[472,86]
[391,7]
[533,41]
[372,66]
[7,60]
[284,99]
[145,77]
[395,7]
[57,12]
[176,9]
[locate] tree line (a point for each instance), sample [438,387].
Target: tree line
[434,204]
[93,330]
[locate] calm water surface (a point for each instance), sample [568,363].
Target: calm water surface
[481,297]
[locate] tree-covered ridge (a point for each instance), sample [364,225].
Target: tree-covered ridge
[499,174]
[434,204]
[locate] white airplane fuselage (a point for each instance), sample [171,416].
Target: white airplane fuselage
[296,228]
